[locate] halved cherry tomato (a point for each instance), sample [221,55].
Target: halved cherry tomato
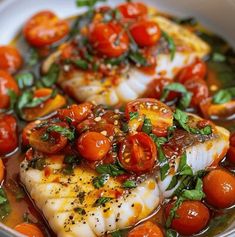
[138,153]
[156,87]
[146,229]
[2,171]
[105,128]
[29,230]
[109,39]
[45,28]
[132,10]
[52,144]
[160,114]
[75,113]
[7,82]
[8,134]
[27,131]
[47,107]
[199,89]
[191,217]
[197,69]
[93,146]
[10,59]
[219,187]
[85,125]
[145,33]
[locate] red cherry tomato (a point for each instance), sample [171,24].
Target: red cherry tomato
[156,87]
[191,217]
[199,89]
[160,114]
[231,154]
[93,146]
[196,69]
[132,10]
[27,131]
[145,33]
[52,144]
[232,139]
[29,230]
[109,39]
[10,59]
[219,187]
[45,28]
[8,134]
[75,113]
[137,153]
[6,83]
[146,229]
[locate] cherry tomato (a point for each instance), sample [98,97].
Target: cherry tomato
[8,134]
[146,229]
[53,143]
[191,217]
[75,113]
[145,33]
[109,39]
[231,154]
[2,171]
[6,83]
[156,87]
[232,139]
[10,59]
[45,28]
[27,131]
[219,187]
[196,69]
[132,10]
[93,146]
[29,230]
[160,114]
[199,89]
[138,153]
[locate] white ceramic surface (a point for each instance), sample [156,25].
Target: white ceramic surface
[217,15]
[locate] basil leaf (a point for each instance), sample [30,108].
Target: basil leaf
[171,44]
[116,61]
[184,182]
[138,58]
[5,208]
[87,3]
[51,77]
[184,168]
[163,163]
[171,233]
[101,201]
[24,79]
[158,140]
[147,126]
[129,184]
[80,63]
[116,234]
[133,115]
[206,130]
[33,57]
[111,169]
[63,131]
[173,182]
[218,57]
[196,194]
[224,95]
[100,181]
[13,98]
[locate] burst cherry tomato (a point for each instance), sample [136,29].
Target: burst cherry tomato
[156,87]
[146,33]
[191,217]
[137,153]
[219,187]
[8,134]
[6,83]
[45,28]
[132,10]
[199,89]
[93,146]
[75,113]
[147,229]
[48,142]
[10,59]
[29,230]
[197,69]
[160,114]
[109,39]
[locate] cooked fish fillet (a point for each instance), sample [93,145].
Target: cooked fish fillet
[131,84]
[60,196]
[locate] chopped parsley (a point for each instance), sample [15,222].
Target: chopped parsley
[171,44]
[111,169]
[100,181]
[101,201]
[129,184]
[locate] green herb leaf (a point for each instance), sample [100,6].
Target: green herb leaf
[116,234]
[133,115]
[13,98]
[24,79]
[80,210]
[158,140]
[51,77]
[218,57]
[116,61]
[171,44]
[224,96]
[163,163]
[80,63]
[138,58]
[81,196]
[87,3]
[101,201]
[100,181]
[37,163]
[173,182]
[129,184]
[63,131]
[184,168]
[33,57]
[147,126]
[197,194]
[111,169]
[171,233]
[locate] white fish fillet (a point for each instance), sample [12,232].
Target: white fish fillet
[132,84]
